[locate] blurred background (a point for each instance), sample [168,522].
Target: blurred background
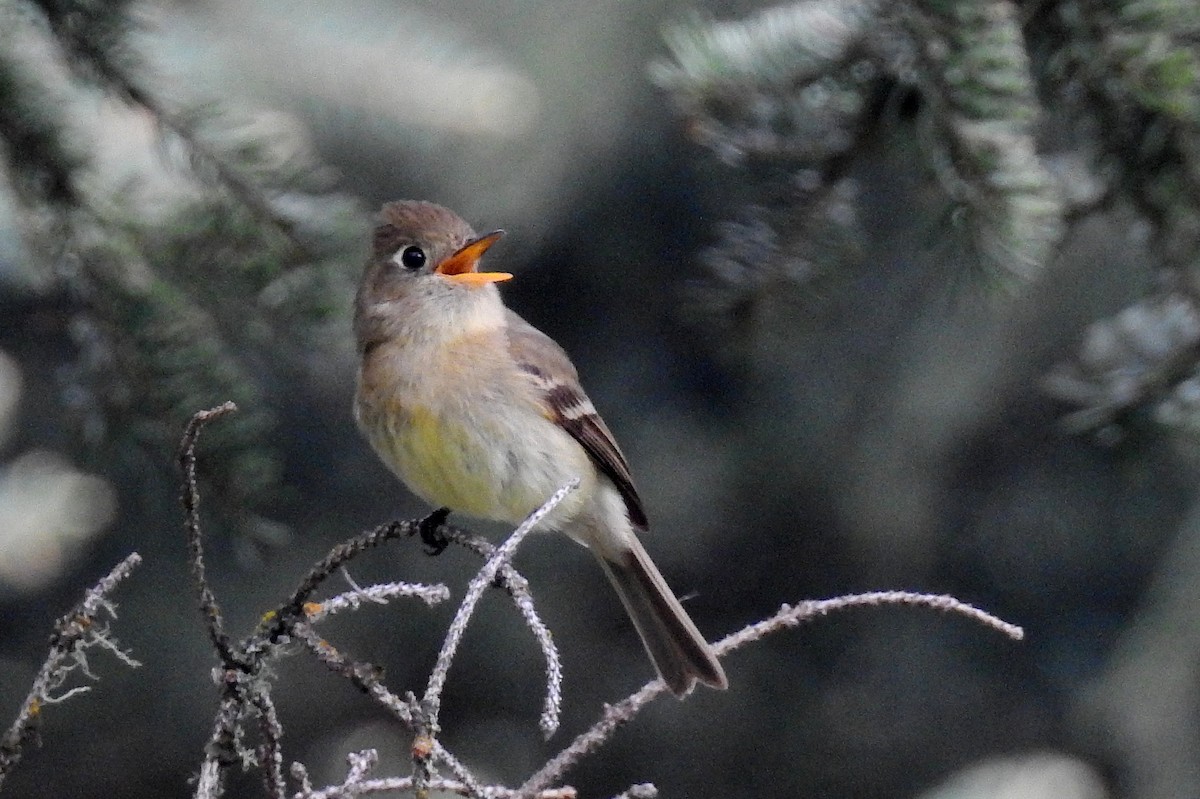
[873,298]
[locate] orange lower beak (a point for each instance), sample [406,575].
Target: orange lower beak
[463,265]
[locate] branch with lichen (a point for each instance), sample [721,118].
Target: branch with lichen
[787,617]
[80,630]
[245,683]
[244,679]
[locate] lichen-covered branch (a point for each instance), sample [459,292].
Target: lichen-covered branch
[787,617]
[245,683]
[81,629]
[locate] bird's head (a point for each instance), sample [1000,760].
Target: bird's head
[424,259]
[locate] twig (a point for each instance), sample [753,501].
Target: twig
[278,621]
[788,616]
[217,753]
[73,634]
[517,587]
[271,752]
[613,717]
[363,676]
[437,679]
[213,621]
[459,769]
[792,616]
[361,764]
[376,594]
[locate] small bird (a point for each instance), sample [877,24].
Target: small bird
[478,411]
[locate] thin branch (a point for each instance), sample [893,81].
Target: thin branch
[270,755]
[278,621]
[613,717]
[459,769]
[361,764]
[788,616]
[364,676]
[74,633]
[213,621]
[486,575]
[517,587]
[218,751]
[792,616]
[375,594]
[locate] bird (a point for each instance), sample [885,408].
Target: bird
[479,412]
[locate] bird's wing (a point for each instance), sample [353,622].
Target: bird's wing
[568,406]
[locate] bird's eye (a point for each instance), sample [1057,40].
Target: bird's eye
[412,257]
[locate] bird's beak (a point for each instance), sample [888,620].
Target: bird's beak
[461,267]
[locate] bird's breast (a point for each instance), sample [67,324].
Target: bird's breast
[463,432]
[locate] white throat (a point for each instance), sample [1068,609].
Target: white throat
[447,311]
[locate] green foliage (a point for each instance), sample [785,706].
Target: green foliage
[787,96]
[204,298]
[43,165]
[1151,52]
[816,67]
[974,74]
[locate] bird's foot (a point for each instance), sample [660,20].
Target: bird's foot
[429,529]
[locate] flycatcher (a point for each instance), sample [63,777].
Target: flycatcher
[478,411]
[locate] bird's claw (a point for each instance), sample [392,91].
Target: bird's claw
[429,529]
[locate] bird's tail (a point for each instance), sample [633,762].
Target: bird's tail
[676,647]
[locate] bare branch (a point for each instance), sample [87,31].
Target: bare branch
[486,575]
[218,752]
[593,738]
[270,756]
[363,676]
[792,616]
[378,594]
[788,616]
[517,587]
[213,621]
[361,764]
[74,633]
[278,622]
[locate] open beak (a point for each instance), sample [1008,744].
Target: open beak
[461,267]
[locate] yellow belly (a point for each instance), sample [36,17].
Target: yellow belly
[492,453]
[445,464]
[491,468]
